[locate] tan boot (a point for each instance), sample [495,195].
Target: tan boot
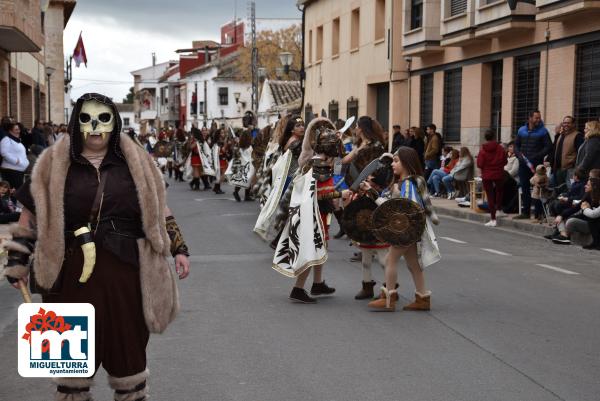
[422,302]
[387,301]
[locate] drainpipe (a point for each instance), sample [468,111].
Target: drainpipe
[10,111]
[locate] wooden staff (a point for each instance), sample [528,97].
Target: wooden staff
[25,291]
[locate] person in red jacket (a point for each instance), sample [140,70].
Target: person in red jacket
[491,161]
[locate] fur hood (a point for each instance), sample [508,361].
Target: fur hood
[48,181]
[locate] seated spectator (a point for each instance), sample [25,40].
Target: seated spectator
[461,172]
[446,155]
[435,179]
[560,235]
[14,157]
[539,183]
[584,226]
[9,212]
[510,197]
[588,156]
[565,200]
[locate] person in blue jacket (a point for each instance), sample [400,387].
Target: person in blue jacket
[532,144]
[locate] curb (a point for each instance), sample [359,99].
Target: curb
[505,222]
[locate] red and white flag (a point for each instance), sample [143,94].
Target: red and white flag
[79,53]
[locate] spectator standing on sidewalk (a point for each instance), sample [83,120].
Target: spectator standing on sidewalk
[398,138]
[418,143]
[491,160]
[588,157]
[565,152]
[433,150]
[14,157]
[532,144]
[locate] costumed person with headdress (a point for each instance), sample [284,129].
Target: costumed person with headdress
[179,154]
[241,170]
[357,220]
[303,241]
[291,140]
[338,174]
[273,151]
[96,220]
[221,156]
[194,160]
[404,219]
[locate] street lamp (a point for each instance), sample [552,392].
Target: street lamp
[49,72]
[286,59]
[237,95]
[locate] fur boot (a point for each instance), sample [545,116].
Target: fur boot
[422,302]
[387,303]
[367,291]
[130,388]
[73,389]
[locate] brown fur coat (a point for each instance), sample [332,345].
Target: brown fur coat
[159,290]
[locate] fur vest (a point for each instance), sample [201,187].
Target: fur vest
[159,291]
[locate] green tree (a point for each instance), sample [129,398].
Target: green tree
[129,98]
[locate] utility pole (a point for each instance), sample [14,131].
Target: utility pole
[254,58]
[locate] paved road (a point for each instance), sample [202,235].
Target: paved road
[514,318]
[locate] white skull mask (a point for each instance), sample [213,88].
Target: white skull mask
[96,118]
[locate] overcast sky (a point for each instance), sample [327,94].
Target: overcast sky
[120,35]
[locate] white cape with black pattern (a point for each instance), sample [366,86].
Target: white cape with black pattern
[302,243]
[240,171]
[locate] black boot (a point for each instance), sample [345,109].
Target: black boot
[217,189]
[338,216]
[300,295]
[205,182]
[236,194]
[367,291]
[247,196]
[194,183]
[321,289]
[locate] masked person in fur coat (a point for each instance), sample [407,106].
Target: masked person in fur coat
[97,186]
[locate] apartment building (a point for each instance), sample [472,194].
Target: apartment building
[470,65]
[31,46]
[353,60]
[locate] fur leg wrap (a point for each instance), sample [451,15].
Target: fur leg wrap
[73,389]
[19,250]
[130,388]
[178,245]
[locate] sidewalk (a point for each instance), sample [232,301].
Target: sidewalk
[445,207]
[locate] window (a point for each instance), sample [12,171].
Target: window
[587,84]
[416,14]
[223,96]
[126,121]
[526,92]
[335,37]
[496,106]
[352,108]
[452,95]
[379,19]
[458,7]
[320,43]
[310,43]
[308,113]
[355,29]
[201,108]
[426,100]
[334,111]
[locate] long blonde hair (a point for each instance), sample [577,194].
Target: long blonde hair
[593,127]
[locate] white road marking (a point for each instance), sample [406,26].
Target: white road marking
[457,241]
[208,199]
[558,269]
[495,251]
[238,214]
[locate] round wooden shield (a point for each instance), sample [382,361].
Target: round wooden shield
[399,221]
[163,149]
[357,220]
